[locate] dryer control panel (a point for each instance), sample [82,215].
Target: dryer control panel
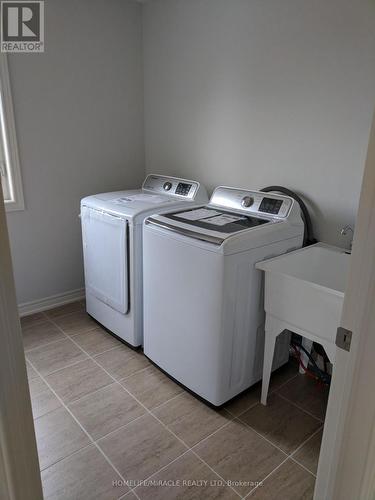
[171,186]
[252,202]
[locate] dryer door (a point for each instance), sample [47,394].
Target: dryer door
[105,252]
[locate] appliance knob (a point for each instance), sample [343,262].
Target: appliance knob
[247,201]
[167,186]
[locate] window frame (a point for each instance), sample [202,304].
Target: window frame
[9,140]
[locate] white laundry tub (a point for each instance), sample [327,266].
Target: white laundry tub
[305,288]
[304,293]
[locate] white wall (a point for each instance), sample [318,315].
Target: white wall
[79,118]
[257,92]
[237,92]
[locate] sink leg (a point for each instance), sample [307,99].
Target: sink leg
[307,344]
[269,348]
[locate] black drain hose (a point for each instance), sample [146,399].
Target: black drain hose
[308,237]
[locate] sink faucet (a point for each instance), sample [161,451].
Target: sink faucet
[345,231]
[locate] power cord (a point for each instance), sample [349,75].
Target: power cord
[318,373]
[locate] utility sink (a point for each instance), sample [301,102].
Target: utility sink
[304,290]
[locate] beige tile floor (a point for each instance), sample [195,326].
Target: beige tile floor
[110,425]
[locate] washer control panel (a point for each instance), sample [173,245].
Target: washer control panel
[270,205]
[183,188]
[253,202]
[171,186]
[167,186]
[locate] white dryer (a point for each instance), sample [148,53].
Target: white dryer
[203,297]
[112,248]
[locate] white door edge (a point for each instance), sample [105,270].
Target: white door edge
[346,468]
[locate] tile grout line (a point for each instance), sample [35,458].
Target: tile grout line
[292,455]
[190,448]
[101,330]
[81,426]
[99,353]
[263,437]
[272,391]
[125,390]
[289,457]
[103,389]
[43,345]
[149,412]
[48,318]
[82,310]
[76,362]
[171,432]
[45,311]
[132,353]
[129,376]
[177,437]
[52,320]
[90,330]
[266,477]
[107,350]
[79,399]
[163,403]
[242,412]
[306,440]
[88,356]
[275,391]
[162,468]
[214,471]
[67,366]
[303,466]
[166,427]
[67,456]
[300,408]
[45,319]
[85,396]
[213,433]
[134,493]
[119,428]
[131,421]
[69,411]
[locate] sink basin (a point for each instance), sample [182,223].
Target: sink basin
[305,289]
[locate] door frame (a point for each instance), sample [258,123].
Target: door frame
[347,460]
[19,464]
[350,417]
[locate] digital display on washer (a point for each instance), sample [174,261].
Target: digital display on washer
[270,206]
[183,188]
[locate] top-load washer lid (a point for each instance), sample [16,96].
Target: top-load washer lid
[206,223]
[218,220]
[157,192]
[229,212]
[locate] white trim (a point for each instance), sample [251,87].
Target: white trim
[59,299]
[19,465]
[347,457]
[10,140]
[354,458]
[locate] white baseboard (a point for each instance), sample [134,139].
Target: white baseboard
[50,302]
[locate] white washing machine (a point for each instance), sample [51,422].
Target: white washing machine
[112,248]
[203,297]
